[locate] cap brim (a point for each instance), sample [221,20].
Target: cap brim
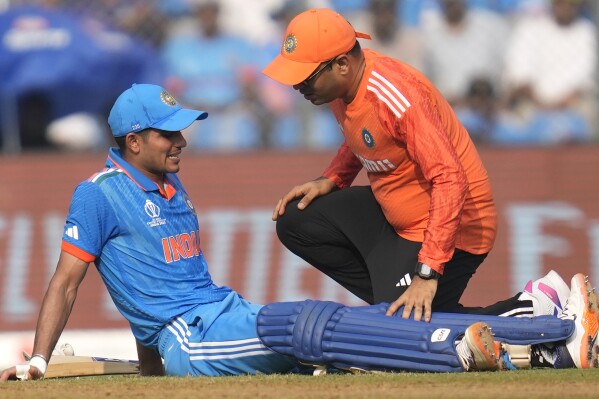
[180,120]
[289,72]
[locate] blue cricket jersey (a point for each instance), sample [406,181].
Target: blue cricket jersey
[145,243]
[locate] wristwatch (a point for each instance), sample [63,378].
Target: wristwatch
[425,272]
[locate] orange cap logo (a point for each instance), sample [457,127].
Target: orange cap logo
[289,44]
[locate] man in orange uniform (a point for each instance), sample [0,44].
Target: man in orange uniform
[417,235]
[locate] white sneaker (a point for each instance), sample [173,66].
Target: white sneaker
[548,294]
[476,350]
[581,348]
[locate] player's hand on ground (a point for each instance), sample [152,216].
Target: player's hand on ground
[8,374]
[307,192]
[11,373]
[417,298]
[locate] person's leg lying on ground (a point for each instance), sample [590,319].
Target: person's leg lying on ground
[544,296]
[328,333]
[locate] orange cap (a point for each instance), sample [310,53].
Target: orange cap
[312,37]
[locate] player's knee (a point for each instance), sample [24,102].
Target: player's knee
[290,225]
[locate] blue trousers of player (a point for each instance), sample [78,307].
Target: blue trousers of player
[219,339]
[345,235]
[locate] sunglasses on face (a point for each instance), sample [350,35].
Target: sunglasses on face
[315,74]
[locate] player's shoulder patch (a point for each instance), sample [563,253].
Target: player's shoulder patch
[105,174]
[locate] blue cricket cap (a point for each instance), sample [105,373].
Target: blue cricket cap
[146,106]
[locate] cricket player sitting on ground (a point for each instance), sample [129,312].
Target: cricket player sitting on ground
[134,220]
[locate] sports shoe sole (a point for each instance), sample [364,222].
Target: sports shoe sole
[479,340]
[589,322]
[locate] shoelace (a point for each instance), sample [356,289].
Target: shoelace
[465,354]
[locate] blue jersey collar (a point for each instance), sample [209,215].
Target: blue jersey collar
[115,160]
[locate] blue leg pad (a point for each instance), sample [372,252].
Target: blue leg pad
[511,330]
[318,332]
[514,330]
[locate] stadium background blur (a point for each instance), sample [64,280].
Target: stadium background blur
[523,86]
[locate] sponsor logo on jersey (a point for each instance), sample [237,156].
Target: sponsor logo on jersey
[153,211]
[181,246]
[367,137]
[440,334]
[376,166]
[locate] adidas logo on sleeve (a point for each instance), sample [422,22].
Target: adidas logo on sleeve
[72,232]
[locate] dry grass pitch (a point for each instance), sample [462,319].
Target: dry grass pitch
[543,384]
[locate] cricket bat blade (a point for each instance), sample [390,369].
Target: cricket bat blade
[80,366]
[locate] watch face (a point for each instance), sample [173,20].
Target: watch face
[425,270]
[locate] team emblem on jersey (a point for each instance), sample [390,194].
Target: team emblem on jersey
[189,203]
[153,211]
[290,43]
[166,98]
[367,137]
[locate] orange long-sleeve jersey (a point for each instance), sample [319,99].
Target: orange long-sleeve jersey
[423,168]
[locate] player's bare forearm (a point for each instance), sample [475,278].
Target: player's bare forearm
[58,303]
[150,362]
[54,313]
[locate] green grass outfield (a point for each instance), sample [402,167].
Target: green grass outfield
[518,384]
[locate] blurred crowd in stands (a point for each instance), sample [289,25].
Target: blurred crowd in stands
[518,72]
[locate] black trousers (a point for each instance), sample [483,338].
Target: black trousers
[345,235]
